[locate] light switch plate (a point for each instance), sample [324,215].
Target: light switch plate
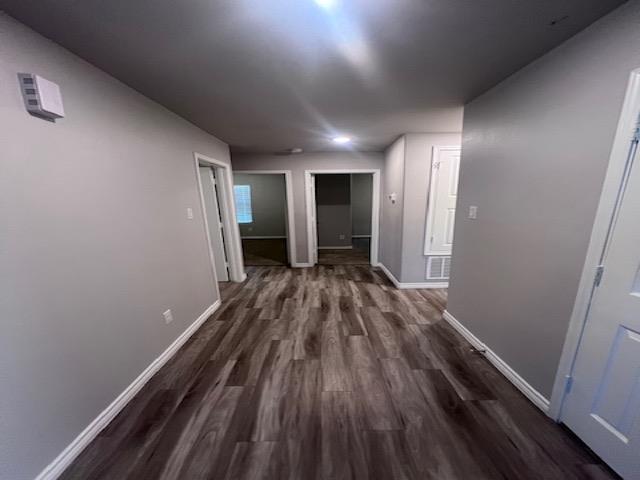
[473,212]
[168,316]
[190,213]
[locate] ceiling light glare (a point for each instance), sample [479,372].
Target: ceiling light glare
[326,3]
[341,140]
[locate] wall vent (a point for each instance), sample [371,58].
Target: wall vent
[438,268]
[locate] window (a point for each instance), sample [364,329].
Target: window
[242,195]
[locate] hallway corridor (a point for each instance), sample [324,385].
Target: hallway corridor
[330,373]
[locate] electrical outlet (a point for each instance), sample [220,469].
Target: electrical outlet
[168,317]
[473,212]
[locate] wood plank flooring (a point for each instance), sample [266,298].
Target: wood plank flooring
[330,373]
[264,251]
[354,256]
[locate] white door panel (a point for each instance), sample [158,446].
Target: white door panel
[603,405]
[443,195]
[212,210]
[314,220]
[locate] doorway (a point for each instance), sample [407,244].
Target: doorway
[221,231]
[264,207]
[597,390]
[343,216]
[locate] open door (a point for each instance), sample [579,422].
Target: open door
[314,221]
[602,403]
[214,223]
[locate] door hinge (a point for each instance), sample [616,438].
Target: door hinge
[599,274]
[568,384]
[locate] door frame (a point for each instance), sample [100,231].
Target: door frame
[435,175]
[290,214]
[375,209]
[627,124]
[230,229]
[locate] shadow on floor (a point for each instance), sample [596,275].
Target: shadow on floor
[265,251]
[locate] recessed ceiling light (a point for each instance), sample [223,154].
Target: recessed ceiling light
[326,3]
[341,139]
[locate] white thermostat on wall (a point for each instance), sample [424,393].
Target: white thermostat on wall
[41,96]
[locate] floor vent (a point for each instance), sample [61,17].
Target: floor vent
[438,268]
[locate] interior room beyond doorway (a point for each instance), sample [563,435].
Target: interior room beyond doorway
[343,205]
[261,210]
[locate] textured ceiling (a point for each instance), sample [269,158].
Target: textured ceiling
[268,75]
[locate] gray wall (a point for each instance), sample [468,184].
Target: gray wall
[333,201]
[391,213]
[417,178]
[95,244]
[361,197]
[535,150]
[298,164]
[268,204]
[408,173]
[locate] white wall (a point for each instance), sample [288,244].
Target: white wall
[94,245]
[298,164]
[535,150]
[268,205]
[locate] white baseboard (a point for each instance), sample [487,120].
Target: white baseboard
[339,247]
[260,237]
[69,454]
[431,285]
[301,265]
[406,285]
[520,383]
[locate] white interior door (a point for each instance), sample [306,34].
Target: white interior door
[603,403]
[443,195]
[212,211]
[314,221]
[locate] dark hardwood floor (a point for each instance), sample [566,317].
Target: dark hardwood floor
[354,256]
[264,251]
[331,373]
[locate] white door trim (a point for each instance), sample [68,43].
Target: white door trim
[435,155]
[230,229]
[626,126]
[291,224]
[375,208]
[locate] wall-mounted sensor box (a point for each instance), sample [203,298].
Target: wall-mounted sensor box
[41,97]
